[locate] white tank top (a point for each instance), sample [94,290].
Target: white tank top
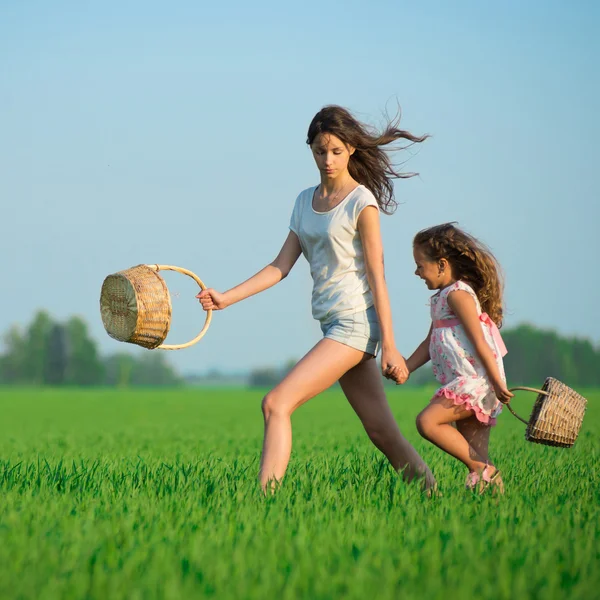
[331,244]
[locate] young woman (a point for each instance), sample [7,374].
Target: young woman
[336,226]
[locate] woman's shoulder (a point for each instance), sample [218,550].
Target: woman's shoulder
[309,191]
[358,199]
[363,194]
[305,196]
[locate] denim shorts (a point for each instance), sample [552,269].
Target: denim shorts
[360,330]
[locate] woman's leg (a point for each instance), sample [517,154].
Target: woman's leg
[434,424]
[363,387]
[316,372]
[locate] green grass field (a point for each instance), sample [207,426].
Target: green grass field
[152,494]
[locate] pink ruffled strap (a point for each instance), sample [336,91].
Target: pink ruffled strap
[484,318]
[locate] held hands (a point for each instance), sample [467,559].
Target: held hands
[502,392]
[393,366]
[212,300]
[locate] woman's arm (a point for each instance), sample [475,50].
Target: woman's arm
[273,273]
[393,364]
[463,306]
[421,355]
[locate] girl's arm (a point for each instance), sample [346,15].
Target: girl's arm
[265,278]
[463,306]
[421,355]
[393,364]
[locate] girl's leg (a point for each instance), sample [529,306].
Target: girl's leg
[434,424]
[316,372]
[364,390]
[478,436]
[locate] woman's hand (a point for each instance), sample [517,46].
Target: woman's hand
[212,300]
[393,366]
[502,392]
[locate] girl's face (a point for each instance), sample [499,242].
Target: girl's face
[436,274]
[331,155]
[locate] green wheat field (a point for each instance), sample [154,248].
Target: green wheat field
[109,494]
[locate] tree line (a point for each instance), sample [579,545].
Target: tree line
[48,352]
[533,355]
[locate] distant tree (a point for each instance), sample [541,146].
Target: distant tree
[152,369]
[84,366]
[12,361]
[56,356]
[118,369]
[270,376]
[37,337]
[534,354]
[587,360]
[265,377]
[65,354]
[46,352]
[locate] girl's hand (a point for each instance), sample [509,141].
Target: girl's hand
[393,366]
[502,392]
[212,300]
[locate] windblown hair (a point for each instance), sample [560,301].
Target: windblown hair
[471,262]
[370,164]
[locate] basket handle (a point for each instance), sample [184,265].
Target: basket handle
[526,389]
[208,312]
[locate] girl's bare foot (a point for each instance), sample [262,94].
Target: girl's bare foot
[490,477]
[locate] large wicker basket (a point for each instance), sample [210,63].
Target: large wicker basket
[136,307]
[557,414]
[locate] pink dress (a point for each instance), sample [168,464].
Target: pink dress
[455,362]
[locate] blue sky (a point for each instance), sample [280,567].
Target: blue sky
[141,132]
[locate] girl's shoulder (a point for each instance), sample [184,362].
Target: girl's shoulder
[460,286]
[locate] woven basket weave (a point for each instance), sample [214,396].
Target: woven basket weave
[135,306]
[557,414]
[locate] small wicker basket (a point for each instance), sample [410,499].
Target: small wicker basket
[136,307]
[557,414]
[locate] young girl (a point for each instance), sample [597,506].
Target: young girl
[336,226]
[465,347]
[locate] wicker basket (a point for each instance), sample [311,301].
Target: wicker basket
[557,414]
[136,307]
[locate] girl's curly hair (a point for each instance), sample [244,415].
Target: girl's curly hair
[471,262]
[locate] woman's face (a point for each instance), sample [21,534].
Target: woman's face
[331,155]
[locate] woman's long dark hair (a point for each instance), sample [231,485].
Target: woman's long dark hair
[370,164]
